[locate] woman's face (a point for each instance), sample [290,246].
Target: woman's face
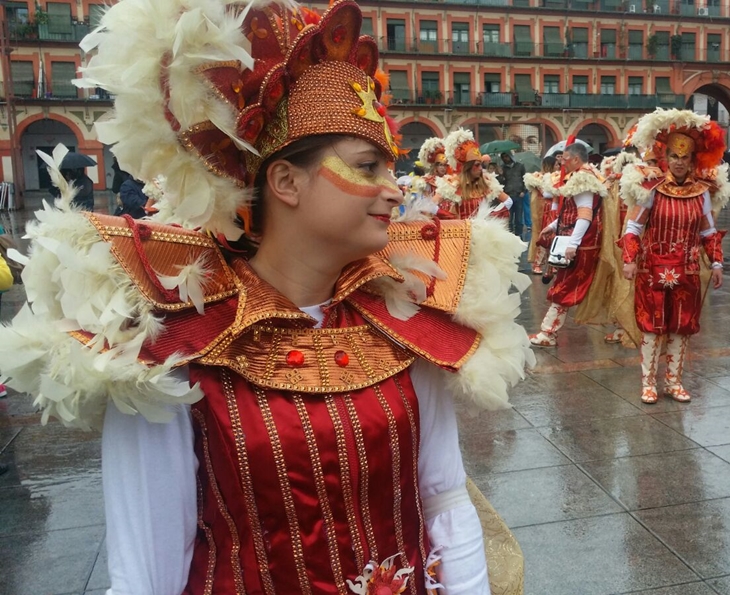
[440,169]
[349,199]
[475,169]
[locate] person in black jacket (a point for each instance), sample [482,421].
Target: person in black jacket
[132,198]
[85,196]
[514,185]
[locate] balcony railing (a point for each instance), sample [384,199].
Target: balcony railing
[69,32]
[529,97]
[64,90]
[554,49]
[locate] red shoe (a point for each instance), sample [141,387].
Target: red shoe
[3,391]
[537,270]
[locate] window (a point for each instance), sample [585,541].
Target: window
[428,37]
[17,16]
[491,44]
[713,47]
[553,44]
[430,85]
[688,46]
[525,91]
[366,29]
[23,78]
[399,87]
[460,38]
[608,43]
[396,32]
[492,82]
[662,38]
[62,73]
[59,20]
[523,40]
[579,42]
[636,85]
[96,11]
[490,33]
[608,85]
[636,45]
[662,85]
[551,83]
[523,82]
[580,84]
[462,88]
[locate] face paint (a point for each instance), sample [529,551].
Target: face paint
[352,180]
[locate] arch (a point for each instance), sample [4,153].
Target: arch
[414,134]
[600,134]
[707,99]
[45,132]
[436,130]
[712,84]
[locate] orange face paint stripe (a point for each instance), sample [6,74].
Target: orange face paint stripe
[351,181]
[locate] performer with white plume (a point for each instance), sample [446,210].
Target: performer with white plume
[578,194]
[462,192]
[432,154]
[540,185]
[671,218]
[274,374]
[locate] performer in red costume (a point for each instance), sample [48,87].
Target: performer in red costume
[670,220]
[463,191]
[277,404]
[579,196]
[432,152]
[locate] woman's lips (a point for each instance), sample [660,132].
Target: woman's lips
[383,218]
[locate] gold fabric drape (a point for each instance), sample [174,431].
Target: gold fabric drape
[610,299]
[504,555]
[537,204]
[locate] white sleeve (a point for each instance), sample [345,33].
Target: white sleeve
[632,225]
[579,230]
[707,212]
[150,498]
[451,519]
[584,200]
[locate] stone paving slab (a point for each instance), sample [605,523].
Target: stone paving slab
[698,532]
[597,556]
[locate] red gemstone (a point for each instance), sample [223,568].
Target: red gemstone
[342,359]
[295,358]
[339,33]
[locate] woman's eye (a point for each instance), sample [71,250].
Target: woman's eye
[369,166]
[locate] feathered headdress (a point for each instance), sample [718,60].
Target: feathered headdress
[206,90]
[703,137]
[432,151]
[461,148]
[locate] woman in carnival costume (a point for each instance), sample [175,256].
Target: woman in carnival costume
[462,192]
[431,155]
[671,218]
[276,406]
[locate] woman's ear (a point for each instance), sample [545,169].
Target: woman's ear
[286,182]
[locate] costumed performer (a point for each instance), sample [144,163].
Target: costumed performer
[540,186]
[671,218]
[462,191]
[579,194]
[276,412]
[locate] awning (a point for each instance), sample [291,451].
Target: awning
[579,34]
[552,35]
[636,37]
[522,34]
[662,85]
[608,35]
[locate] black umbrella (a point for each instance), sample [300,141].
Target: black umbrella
[610,152]
[76,161]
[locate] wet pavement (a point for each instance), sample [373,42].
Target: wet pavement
[604,494]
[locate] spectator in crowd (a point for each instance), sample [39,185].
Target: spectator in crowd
[514,185]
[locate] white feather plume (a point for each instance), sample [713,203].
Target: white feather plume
[133,43]
[631,185]
[453,141]
[189,282]
[490,304]
[447,188]
[649,125]
[428,148]
[74,283]
[584,180]
[53,164]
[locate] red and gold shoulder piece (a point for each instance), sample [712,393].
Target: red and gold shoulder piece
[445,244]
[688,190]
[169,265]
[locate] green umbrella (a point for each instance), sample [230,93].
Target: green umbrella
[529,160]
[496,147]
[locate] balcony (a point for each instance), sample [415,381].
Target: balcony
[552,50]
[531,98]
[29,89]
[661,7]
[65,32]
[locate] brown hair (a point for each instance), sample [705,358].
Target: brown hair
[467,184]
